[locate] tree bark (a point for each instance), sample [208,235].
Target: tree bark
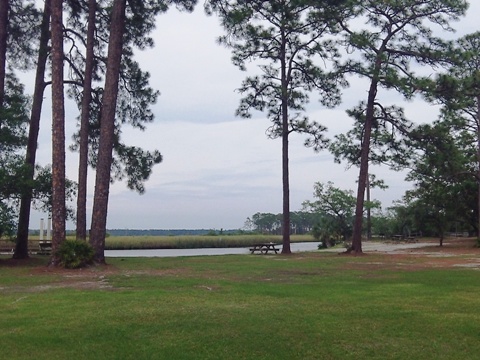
[285,163]
[286,195]
[478,167]
[81,233]
[362,178]
[21,246]
[58,132]
[107,127]
[369,212]
[4,10]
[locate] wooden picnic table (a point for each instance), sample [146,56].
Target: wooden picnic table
[409,239]
[397,237]
[264,248]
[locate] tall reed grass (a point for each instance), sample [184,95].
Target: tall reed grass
[194,241]
[174,242]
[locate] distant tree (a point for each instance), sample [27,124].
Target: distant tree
[335,208]
[302,222]
[397,35]
[403,217]
[289,38]
[372,183]
[264,223]
[383,223]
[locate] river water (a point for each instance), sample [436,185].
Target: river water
[295,247]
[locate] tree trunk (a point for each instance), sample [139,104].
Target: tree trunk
[478,167]
[81,233]
[58,132]
[286,194]
[21,246]
[285,164]
[362,178]
[4,10]
[107,127]
[369,211]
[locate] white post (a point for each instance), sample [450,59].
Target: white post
[41,229]
[49,228]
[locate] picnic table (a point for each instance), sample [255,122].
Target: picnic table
[397,237]
[264,248]
[408,239]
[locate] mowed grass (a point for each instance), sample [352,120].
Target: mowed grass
[304,306]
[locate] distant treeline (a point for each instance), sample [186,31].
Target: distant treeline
[172,232]
[158,232]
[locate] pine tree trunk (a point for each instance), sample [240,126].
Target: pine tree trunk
[4,10]
[286,195]
[58,132]
[285,164]
[363,176]
[107,128]
[21,247]
[478,167]
[81,233]
[369,211]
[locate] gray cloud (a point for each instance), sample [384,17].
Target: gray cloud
[217,169]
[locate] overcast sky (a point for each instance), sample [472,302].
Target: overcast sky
[218,169]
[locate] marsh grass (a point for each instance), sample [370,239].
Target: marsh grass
[193,241]
[173,242]
[306,306]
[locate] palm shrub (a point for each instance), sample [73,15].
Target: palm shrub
[74,254]
[326,237]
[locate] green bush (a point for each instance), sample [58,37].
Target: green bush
[325,237]
[74,254]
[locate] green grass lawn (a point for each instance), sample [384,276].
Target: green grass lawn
[305,306]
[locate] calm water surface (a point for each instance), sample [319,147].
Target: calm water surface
[295,247]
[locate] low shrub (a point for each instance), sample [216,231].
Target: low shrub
[326,238]
[74,254]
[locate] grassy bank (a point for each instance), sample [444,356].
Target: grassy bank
[175,242]
[306,306]
[194,242]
